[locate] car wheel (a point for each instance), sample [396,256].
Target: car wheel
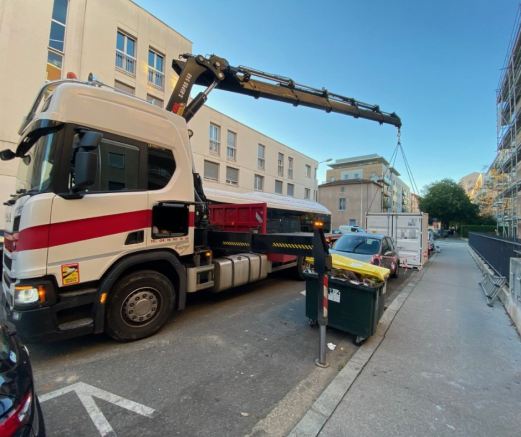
[396,271]
[139,305]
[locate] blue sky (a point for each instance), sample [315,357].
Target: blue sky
[436,64]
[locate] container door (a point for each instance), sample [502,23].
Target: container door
[408,238]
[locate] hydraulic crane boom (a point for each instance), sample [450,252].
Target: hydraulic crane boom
[215,72]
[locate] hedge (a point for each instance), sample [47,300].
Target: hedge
[465,229]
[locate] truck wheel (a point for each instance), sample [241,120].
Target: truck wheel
[301,266]
[138,305]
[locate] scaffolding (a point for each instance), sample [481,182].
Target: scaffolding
[503,178]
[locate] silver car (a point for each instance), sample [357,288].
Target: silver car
[374,249]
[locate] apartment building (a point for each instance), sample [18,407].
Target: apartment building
[231,155]
[468,183]
[126,47]
[362,184]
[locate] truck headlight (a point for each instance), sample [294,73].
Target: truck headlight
[24,295]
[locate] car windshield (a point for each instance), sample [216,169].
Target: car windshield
[35,168]
[361,244]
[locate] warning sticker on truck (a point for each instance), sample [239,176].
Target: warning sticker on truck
[70,274]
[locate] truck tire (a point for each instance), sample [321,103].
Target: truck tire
[139,305]
[301,266]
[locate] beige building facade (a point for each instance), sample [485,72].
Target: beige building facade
[396,195]
[350,200]
[126,47]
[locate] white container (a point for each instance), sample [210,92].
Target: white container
[409,230]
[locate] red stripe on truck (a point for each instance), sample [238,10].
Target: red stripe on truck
[57,234]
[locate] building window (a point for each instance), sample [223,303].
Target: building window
[259,182]
[278,187]
[352,222]
[214,139]
[125,53]
[307,193]
[281,165]
[342,204]
[261,151]
[231,146]
[211,170]
[156,75]
[57,40]
[342,189]
[124,87]
[232,176]
[291,189]
[290,168]
[155,101]
[307,171]
[356,176]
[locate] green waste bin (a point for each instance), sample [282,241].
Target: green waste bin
[352,308]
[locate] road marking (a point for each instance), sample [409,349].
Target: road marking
[303,292]
[86,394]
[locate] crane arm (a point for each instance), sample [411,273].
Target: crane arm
[215,72]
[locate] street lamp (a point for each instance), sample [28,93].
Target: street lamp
[316,177]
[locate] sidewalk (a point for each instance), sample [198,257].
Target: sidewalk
[442,363]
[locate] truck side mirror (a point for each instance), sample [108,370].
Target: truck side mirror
[86,165]
[86,170]
[7,155]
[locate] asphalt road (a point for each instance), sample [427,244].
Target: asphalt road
[239,363]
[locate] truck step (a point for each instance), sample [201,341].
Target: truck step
[76,324]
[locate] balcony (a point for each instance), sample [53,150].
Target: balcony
[156,78]
[383,179]
[126,63]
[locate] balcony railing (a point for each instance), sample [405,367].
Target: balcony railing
[126,63]
[156,78]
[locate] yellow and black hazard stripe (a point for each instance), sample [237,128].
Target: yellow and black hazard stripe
[293,246]
[235,243]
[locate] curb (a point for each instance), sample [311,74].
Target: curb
[324,407]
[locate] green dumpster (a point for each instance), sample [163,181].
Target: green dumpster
[352,308]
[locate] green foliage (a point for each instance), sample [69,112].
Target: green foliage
[447,201]
[465,229]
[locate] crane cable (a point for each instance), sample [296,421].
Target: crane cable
[391,165]
[388,169]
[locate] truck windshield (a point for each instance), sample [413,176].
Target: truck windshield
[35,168]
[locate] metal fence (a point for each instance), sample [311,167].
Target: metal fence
[495,250]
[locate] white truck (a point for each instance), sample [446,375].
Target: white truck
[109,227]
[409,231]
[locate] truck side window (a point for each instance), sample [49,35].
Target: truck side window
[118,167]
[161,167]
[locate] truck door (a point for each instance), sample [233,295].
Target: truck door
[87,234]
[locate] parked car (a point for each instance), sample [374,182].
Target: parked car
[347,229]
[374,249]
[430,241]
[20,411]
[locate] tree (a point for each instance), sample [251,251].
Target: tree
[447,201]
